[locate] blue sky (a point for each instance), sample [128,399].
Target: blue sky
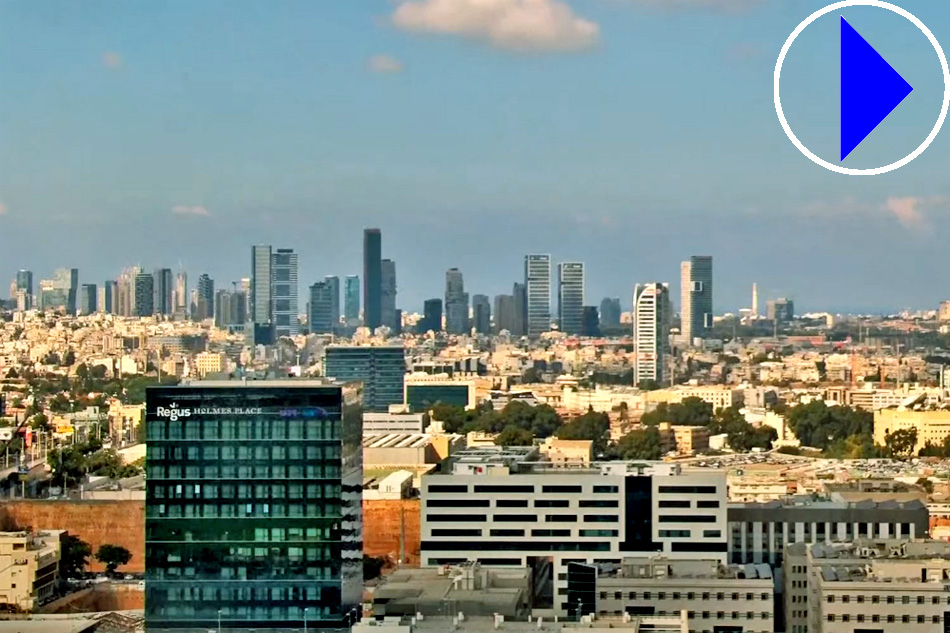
[627,134]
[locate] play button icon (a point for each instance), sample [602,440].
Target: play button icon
[870,89]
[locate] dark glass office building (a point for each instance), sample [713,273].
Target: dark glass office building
[372,278]
[253,506]
[381,369]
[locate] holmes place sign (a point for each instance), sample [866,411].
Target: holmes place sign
[174,413]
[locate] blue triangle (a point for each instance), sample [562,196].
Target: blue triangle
[870,89]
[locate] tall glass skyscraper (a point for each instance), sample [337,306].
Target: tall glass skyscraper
[284,292]
[144,295]
[24,281]
[320,317]
[334,283]
[696,294]
[651,333]
[106,300]
[162,291]
[387,305]
[351,300]
[431,316]
[87,299]
[261,260]
[537,279]
[481,311]
[456,303]
[204,304]
[61,291]
[570,292]
[381,369]
[253,507]
[372,278]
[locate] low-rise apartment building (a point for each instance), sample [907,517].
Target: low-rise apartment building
[29,568]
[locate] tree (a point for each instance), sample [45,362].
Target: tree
[926,484]
[691,411]
[74,556]
[900,444]
[642,444]
[817,425]
[531,375]
[513,436]
[372,567]
[112,556]
[648,385]
[592,426]
[69,358]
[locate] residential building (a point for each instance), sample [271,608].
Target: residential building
[715,597]
[162,302]
[570,293]
[321,308]
[481,311]
[456,303]
[87,299]
[204,300]
[144,295]
[651,333]
[696,287]
[932,425]
[29,568]
[334,284]
[886,585]
[500,506]
[719,396]
[253,506]
[610,313]
[262,261]
[284,287]
[351,301]
[106,297]
[431,316]
[381,369]
[943,313]
[537,280]
[372,278]
[780,310]
[210,363]
[690,439]
[759,532]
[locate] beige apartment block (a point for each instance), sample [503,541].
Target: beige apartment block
[29,567]
[932,425]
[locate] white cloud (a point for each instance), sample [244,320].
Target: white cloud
[517,25]
[186,209]
[384,64]
[111,60]
[910,210]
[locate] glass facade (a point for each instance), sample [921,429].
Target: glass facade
[422,397]
[382,371]
[253,506]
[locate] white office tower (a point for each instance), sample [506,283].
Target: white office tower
[537,279]
[651,333]
[503,507]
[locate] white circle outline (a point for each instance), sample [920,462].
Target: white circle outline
[946,84]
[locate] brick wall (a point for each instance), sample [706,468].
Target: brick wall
[103,597]
[382,528]
[96,522]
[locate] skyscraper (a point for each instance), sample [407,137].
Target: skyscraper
[456,303]
[61,291]
[87,299]
[125,292]
[372,278]
[162,291]
[519,293]
[351,300]
[261,277]
[537,279]
[381,369]
[253,507]
[610,313]
[180,300]
[506,317]
[144,294]
[321,308]
[334,283]
[204,300]
[570,293]
[388,300]
[696,293]
[651,332]
[222,309]
[591,322]
[284,290]
[481,310]
[24,281]
[106,301]
[431,316]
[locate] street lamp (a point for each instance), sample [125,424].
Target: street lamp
[219,620]
[305,609]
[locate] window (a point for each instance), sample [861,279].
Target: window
[673,503]
[920,619]
[600,533]
[598,503]
[845,618]
[601,518]
[606,490]
[511,533]
[875,599]
[515,518]
[674,533]
[560,518]
[707,504]
[920,599]
[890,618]
[504,489]
[455,518]
[890,600]
[559,489]
[558,533]
[687,518]
[905,599]
[905,619]
[875,618]
[511,503]
[551,503]
[845,599]
[451,532]
[694,490]
[860,617]
[831,617]
[712,534]
[457,503]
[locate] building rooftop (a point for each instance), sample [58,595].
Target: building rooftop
[805,501]
[659,568]
[397,440]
